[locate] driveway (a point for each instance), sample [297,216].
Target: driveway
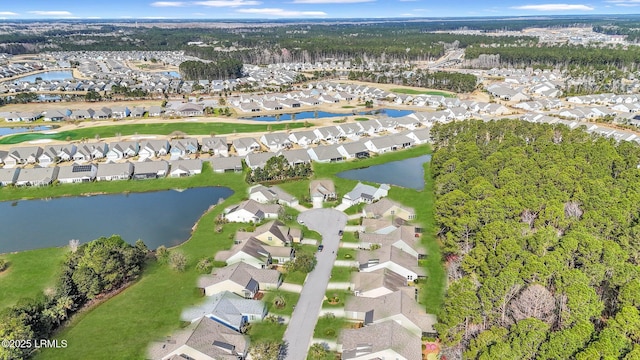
[299,333]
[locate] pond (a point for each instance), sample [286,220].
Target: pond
[16,130]
[407,173]
[158,218]
[307,115]
[48,76]
[174,74]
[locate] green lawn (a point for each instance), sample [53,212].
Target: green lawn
[150,308]
[349,236]
[423,92]
[361,119]
[341,274]
[346,254]
[266,331]
[329,327]
[342,295]
[295,277]
[291,299]
[29,274]
[190,128]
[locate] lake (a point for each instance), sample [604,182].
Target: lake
[174,74]
[407,173]
[48,75]
[16,130]
[158,218]
[306,115]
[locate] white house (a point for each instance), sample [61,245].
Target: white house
[362,193]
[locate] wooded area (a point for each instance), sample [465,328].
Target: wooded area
[539,226]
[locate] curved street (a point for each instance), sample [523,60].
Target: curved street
[305,316]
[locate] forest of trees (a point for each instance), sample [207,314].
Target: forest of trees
[442,80]
[277,168]
[90,270]
[561,56]
[539,226]
[221,69]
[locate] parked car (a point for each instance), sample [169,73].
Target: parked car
[340,233]
[320,247]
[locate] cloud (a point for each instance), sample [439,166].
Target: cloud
[227,3]
[624,2]
[168,4]
[50,13]
[281,12]
[7,13]
[554,7]
[330,1]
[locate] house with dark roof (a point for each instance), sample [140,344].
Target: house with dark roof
[204,339]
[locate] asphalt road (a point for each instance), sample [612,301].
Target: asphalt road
[305,316]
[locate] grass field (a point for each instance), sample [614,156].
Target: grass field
[341,274]
[150,308]
[29,274]
[329,327]
[155,129]
[291,299]
[423,92]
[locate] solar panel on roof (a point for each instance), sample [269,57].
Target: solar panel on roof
[81,168]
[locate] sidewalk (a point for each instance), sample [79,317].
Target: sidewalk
[295,288]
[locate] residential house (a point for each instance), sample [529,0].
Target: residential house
[82,114]
[55,115]
[244,146]
[420,136]
[114,171]
[155,111]
[153,148]
[258,160]
[272,233]
[22,155]
[296,157]
[204,339]
[241,279]
[272,194]
[190,109]
[182,148]
[362,193]
[397,306]
[93,151]
[9,176]
[403,237]
[304,138]
[39,176]
[388,208]
[186,167]
[77,173]
[120,112]
[216,146]
[252,211]
[102,113]
[276,141]
[56,153]
[226,164]
[122,150]
[138,112]
[329,134]
[352,131]
[325,153]
[229,310]
[322,190]
[249,250]
[378,283]
[149,169]
[386,340]
[354,150]
[392,258]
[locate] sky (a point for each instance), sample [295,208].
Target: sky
[308,9]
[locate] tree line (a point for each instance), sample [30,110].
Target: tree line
[277,168]
[89,271]
[539,225]
[221,69]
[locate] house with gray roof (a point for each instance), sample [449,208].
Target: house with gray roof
[82,114]
[362,193]
[153,148]
[352,131]
[138,112]
[241,279]
[39,176]
[56,153]
[249,250]
[156,111]
[149,169]
[330,134]
[216,146]
[244,146]
[203,339]
[397,306]
[403,237]
[22,155]
[8,176]
[93,151]
[304,138]
[229,310]
[388,208]
[102,113]
[120,112]
[296,157]
[189,109]
[420,136]
[182,148]
[392,258]
[322,190]
[77,173]
[354,150]
[385,340]
[325,153]
[378,283]
[122,150]
[252,211]
[272,194]
[226,164]
[114,171]
[55,115]
[187,167]
[258,160]
[276,141]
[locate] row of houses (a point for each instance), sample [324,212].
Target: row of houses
[102,113]
[78,173]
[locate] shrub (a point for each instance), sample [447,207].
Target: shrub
[4,264]
[204,266]
[162,254]
[177,260]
